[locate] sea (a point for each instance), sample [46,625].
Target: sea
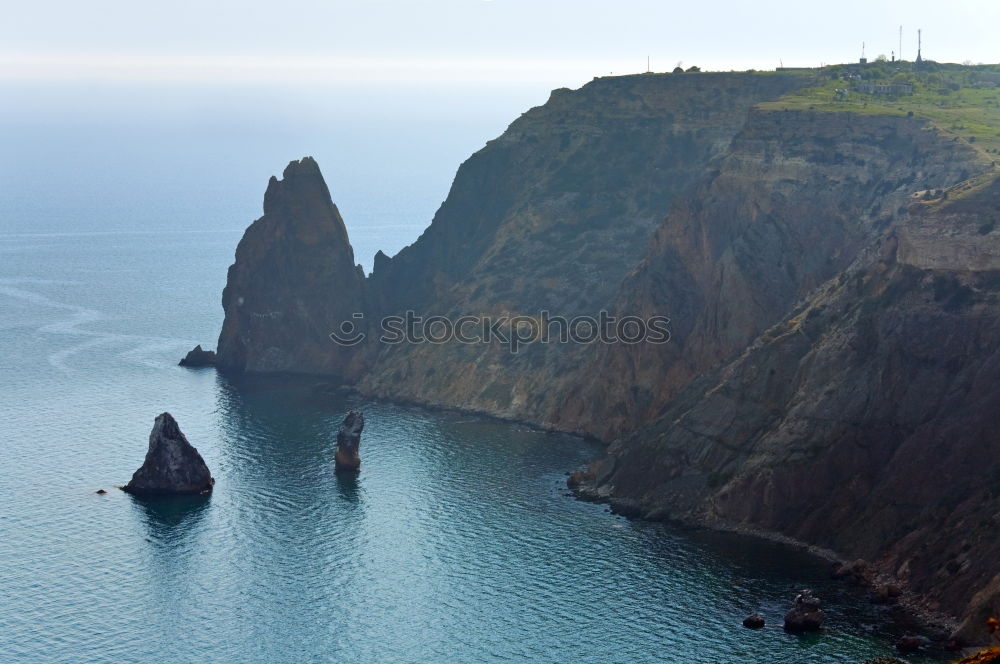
[121,205]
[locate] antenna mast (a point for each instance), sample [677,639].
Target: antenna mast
[900,42]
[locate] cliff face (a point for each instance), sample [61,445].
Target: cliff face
[550,217]
[833,364]
[789,206]
[293,283]
[864,422]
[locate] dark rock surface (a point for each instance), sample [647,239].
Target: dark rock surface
[805,614]
[858,573]
[293,283]
[347,459]
[197,357]
[911,643]
[172,465]
[883,383]
[754,621]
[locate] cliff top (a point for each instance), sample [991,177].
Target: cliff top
[961,100]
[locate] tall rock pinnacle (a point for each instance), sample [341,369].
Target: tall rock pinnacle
[293,283]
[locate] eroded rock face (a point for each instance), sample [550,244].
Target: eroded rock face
[883,384]
[805,614]
[833,368]
[347,459]
[197,357]
[172,465]
[294,282]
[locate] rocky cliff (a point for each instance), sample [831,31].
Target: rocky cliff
[864,422]
[293,283]
[833,356]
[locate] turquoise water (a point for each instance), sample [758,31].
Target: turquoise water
[457,543]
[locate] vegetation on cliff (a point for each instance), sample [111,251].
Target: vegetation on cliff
[962,101]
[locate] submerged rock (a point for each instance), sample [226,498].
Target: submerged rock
[198,357]
[806,615]
[172,464]
[348,441]
[753,621]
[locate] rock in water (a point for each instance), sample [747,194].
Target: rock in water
[806,615]
[348,441]
[172,464]
[293,284]
[753,621]
[197,357]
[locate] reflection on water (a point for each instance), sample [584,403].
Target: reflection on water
[456,542]
[167,517]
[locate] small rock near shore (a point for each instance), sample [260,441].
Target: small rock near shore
[910,643]
[858,573]
[172,465]
[806,614]
[885,593]
[198,357]
[347,459]
[753,621]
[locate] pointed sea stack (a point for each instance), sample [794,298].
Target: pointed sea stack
[172,464]
[348,441]
[294,283]
[197,357]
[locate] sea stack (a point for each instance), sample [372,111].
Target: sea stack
[348,442]
[294,283]
[806,615]
[198,357]
[172,464]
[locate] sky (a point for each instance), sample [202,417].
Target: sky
[505,41]
[134,114]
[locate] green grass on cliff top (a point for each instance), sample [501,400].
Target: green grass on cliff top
[961,100]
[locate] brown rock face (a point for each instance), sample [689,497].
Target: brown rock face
[293,283]
[552,216]
[347,458]
[833,366]
[862,423]
[172,464]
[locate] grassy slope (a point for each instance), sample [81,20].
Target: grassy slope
[956,98]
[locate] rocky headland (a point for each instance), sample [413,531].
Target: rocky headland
[831,376]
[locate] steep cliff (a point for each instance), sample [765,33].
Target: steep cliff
[832,278]
[864,422]
[550,217]
[293,283]
[789,206]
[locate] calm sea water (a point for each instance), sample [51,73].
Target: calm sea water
[457,543]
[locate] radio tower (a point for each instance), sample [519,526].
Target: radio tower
[900,42]
[920,43]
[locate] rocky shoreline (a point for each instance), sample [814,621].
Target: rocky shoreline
[832,368]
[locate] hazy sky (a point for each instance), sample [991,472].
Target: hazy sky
[455,40]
